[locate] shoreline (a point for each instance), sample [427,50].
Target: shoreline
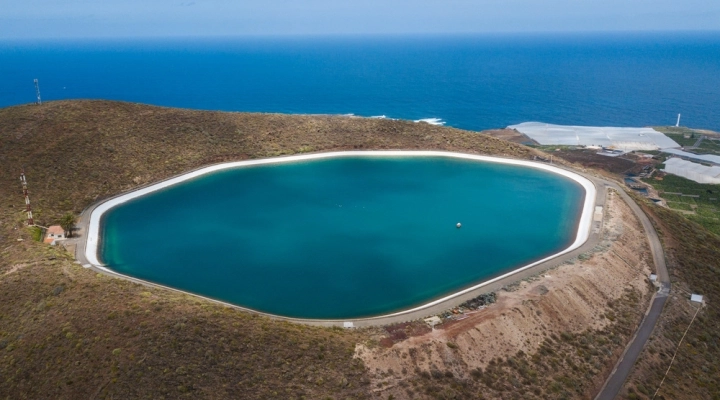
[92,217]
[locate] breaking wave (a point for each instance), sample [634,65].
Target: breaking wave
[431,121]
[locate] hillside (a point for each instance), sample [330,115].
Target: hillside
[75,152]
[67,333]
[693,258]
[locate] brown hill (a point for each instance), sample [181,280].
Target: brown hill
[67,333]
[75,152]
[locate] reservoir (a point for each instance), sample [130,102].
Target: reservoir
[340,237]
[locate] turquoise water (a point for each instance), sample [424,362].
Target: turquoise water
[344,237]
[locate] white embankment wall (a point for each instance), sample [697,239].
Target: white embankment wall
[583,231]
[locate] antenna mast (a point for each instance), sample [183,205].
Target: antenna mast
[23,181]
[37,92]
[677,124]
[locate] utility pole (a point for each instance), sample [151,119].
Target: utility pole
[27,198]
[677,124]
[37,92]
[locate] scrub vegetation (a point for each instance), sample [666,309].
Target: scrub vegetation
[693,256]
[692,244]
[690,139]
[681,135]
[67,332]
[565,366]
[702,201]
[77,152]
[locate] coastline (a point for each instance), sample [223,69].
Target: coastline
[92,217]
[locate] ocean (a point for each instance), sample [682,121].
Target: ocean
[469,82]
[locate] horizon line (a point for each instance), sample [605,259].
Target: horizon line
[567,33]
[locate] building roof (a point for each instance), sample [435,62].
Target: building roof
[619,138]
[55,229]
[702,157]
[693,171]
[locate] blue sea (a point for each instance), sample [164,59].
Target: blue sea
[469,82]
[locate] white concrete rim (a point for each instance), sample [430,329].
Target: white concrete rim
[582,235]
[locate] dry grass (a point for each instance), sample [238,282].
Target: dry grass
[693,256]
[566,365]
[76,152]
[67,333]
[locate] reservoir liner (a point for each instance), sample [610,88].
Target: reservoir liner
[582,232]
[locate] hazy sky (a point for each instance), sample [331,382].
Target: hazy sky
[113,18]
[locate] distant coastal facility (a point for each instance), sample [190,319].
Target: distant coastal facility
[613,141]
[706,158]
[626,139]
[693,171]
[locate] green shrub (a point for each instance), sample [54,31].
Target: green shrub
[36,233]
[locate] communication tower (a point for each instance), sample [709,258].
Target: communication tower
[23,181]
[37,92]
[677,124]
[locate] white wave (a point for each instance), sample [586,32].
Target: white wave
[431,121]
[379,117]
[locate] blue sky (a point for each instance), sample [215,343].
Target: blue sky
[115,18]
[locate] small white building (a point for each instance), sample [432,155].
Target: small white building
[598,215]
[653,277]
[55,232]
[696,298]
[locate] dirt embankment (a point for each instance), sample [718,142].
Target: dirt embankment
[567,300]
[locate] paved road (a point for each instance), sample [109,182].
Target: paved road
[622,369]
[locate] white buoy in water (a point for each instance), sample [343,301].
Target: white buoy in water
[458,225]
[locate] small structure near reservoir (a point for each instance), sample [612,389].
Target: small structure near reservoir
[697,298]
[432,321]
[54,233]
[598,214]
[609,152]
